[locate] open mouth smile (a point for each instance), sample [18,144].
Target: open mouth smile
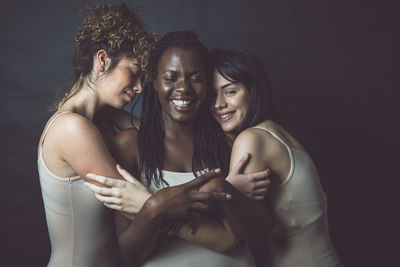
[226,116]
[181,103]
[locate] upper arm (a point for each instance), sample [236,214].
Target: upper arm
[265,151]
[83,147]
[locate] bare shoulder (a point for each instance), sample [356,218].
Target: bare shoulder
[258,142]
[265,150]
[127,138]
[71,128]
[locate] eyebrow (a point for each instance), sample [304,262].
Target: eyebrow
[226,85]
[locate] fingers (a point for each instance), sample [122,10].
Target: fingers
[260,191]
[113,206]
[238,168]
[109,192]
[108,200]
[207,196]
[262,184]
[105,180]
[127,176]
[199,206]
[258,198]
[263,175]
[199,181]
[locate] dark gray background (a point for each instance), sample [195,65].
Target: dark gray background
[331,65]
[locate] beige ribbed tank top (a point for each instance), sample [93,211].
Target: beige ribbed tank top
[300,231]
[80,227]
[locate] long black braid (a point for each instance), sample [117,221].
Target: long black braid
[211,147]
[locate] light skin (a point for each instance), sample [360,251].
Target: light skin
[75,133]
[176,82]
[181,93]
[74,146]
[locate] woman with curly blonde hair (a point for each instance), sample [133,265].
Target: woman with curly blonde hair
[109,59]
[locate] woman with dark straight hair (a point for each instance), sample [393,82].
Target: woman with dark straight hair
[179,139]
[243,107]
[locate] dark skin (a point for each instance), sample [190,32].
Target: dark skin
[249,218]
[181,88]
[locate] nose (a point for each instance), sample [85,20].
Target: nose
[220,102]
[182,86]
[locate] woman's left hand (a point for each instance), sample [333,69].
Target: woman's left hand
[254,185]
[126,196]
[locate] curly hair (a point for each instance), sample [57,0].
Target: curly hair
[117,29]
[211,147]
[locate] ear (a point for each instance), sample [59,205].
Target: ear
[137,88]
[101,61]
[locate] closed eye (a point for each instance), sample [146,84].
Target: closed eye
[230,92]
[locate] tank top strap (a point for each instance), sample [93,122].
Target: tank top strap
[274,135]
[50,123]
[289,149]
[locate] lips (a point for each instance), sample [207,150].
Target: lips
[223,117]
[130,95]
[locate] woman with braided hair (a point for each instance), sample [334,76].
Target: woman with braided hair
[110,57]
[178,139]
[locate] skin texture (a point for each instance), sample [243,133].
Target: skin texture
[180,77]
[231,103]
[73,144]
[233,100]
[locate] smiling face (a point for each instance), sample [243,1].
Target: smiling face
[181,83]
[231,103]
[123,83]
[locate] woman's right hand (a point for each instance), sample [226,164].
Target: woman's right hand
[253,185]
[185,201]
[126,196]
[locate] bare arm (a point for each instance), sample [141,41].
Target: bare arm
[137,238]
[250,219]
[82,146]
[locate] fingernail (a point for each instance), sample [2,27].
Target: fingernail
[246,156]
[268,171]
[118,166]
[90,175]
[85,184]
[217,170]
[228,196]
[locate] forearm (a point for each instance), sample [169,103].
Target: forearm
[138,239]
[249,218]
[211,232]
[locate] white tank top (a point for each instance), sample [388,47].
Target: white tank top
[80,227]
[300,229]
[176,252]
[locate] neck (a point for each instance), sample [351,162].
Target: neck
[86,102]
[177,130]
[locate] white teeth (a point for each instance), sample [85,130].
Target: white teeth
[181,103]
[225,115]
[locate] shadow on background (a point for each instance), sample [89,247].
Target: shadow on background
[331,65]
